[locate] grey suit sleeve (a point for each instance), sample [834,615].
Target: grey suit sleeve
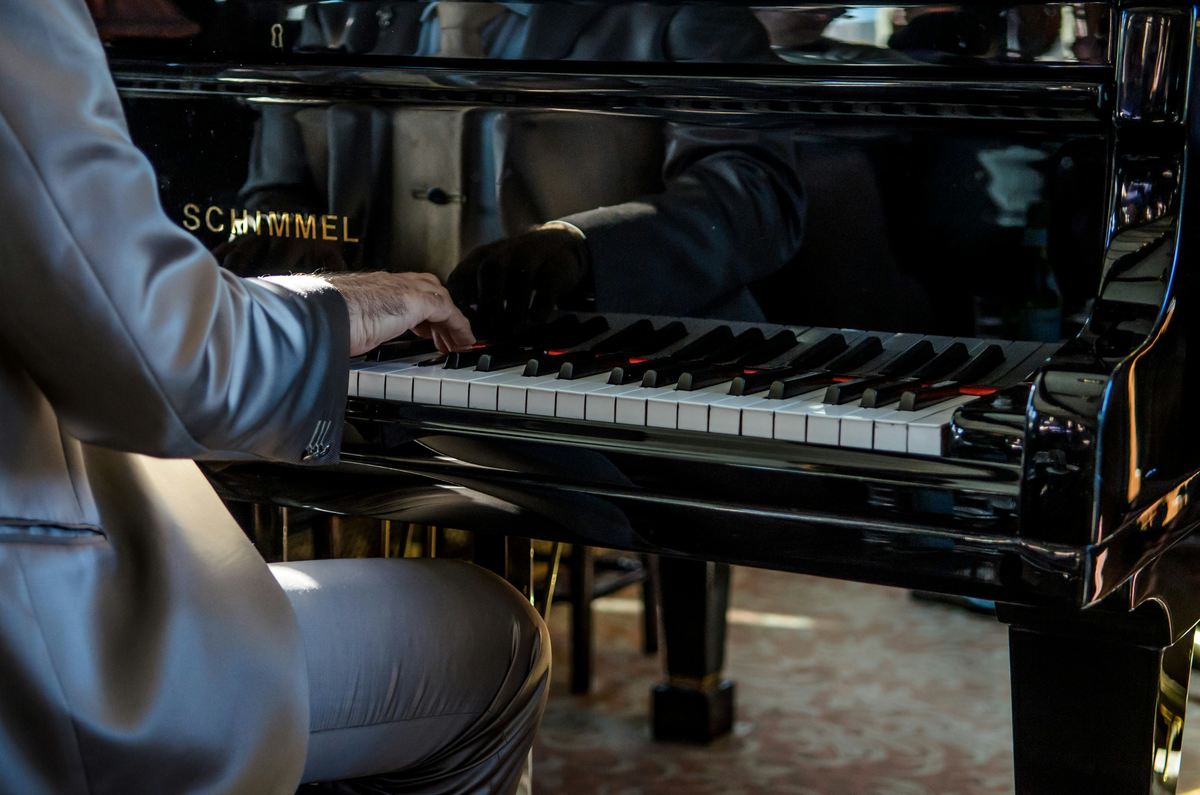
[732,212]
[135,335]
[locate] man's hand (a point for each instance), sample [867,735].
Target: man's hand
[522,278]
[385,305]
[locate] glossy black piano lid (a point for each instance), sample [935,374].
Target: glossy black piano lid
[937,169]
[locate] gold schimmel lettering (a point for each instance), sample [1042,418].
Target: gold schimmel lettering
[268,223]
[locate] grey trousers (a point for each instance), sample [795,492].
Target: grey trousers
[425,676]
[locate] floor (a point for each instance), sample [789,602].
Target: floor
[843,688]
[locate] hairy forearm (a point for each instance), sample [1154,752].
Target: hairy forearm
[385,305]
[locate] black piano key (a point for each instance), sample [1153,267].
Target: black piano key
[888,392]
[961,383]
[948,361]
[903,366]
[945,362]
[553,359]
[546,361]
[913,357]
[759,379]
[504,359]
[859,354]
[735,348]
[635,368]
[981,364]
[668,372]
[629,338]
[779,343]
[572,337]
[841,393]
[709,375]
[401,348]
[720,372]
[460,360]
[929,395]
[833,373]
[662,338]
[561,338]
[544,333]
[799,384]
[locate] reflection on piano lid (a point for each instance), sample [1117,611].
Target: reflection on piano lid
[896,35]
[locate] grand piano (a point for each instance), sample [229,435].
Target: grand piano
[897,294]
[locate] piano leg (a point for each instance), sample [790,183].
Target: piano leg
[1096,714]
[695,703]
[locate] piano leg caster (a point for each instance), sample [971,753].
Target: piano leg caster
[697,712]
[1094,713]
[695,703]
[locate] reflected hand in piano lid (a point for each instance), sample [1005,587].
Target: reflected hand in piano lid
[513,281]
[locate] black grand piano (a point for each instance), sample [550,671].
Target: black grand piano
[899,294]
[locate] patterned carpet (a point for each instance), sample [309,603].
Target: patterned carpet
[842,689]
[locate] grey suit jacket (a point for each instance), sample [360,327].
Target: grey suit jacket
[144,646]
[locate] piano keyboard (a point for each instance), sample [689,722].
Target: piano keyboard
[872,391]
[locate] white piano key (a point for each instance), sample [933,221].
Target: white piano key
[661,412]
[725,415]
[513,388]
[398,386]
[791,416]
[571,395]
[371,379]
[540,402]
[825,422]
[891,428]
[792,426]
[483,390]
[456,385]
[762,418]
[724,420]
[694,407]
[927,435]
[891,436]
[601,405]
[427,388]
[858,428]
[631,406]
[668,407]
[759,422]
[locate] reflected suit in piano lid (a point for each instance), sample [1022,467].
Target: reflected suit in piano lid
[701,212]
[144,645]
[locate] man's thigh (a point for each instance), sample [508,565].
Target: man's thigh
[415,665]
